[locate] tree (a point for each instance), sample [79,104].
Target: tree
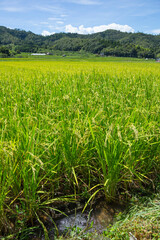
[4,51]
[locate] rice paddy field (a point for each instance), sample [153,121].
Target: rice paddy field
[71,130]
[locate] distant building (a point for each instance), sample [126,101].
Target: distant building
[102,54]
[38,54]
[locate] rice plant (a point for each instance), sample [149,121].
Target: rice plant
[71,127]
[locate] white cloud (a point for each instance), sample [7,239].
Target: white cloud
[64,15]
[51,27]
[85,2]
[12,9]
[60,29]
[46,33]
[44,23]
[145,13]
[156,31]
[89,30]
[54,19]
[59,22]
[11,6]
[51,9]
[132,5]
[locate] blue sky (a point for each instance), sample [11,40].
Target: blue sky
[82,16]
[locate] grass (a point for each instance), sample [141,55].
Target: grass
[142,220]
[71,129]
[74,56]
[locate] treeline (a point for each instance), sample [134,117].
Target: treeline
[104,47]
[109,43]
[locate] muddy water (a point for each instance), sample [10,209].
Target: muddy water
[99,217]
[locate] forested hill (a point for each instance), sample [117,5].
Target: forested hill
[109,42]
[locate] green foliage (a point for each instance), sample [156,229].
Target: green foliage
[72,129]
[109,43]
[4,51]
[68,44]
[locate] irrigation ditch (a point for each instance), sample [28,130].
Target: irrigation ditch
[72,220]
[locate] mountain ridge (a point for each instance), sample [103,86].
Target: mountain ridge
[27,41]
